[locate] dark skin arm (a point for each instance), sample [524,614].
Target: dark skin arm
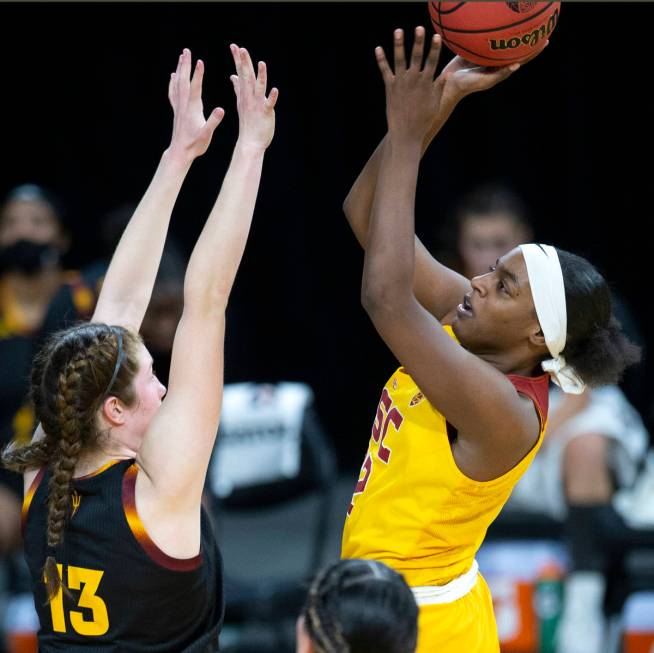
[496,426]
[438,288]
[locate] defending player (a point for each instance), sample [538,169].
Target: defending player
[121,555]
[464,415]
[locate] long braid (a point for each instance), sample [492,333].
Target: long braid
[72,429]
[71,376]
[20,459]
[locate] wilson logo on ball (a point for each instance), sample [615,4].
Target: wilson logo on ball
[495,33]
[531,39]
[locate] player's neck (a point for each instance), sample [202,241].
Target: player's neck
[515,363]
[91,461]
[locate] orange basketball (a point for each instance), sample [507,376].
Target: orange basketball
[495,33]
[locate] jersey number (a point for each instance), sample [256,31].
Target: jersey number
[387,414]
[88,581]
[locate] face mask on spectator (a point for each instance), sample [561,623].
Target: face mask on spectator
[28,257]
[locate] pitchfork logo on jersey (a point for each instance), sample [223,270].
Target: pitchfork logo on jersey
[76,500]
[416,400]
[521,7]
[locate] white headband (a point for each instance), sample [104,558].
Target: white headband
[548,292]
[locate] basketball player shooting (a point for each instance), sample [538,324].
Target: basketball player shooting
[465,413]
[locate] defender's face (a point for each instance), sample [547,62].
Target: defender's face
[499,311]
[149,393]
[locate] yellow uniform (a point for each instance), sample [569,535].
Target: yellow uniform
[414,510]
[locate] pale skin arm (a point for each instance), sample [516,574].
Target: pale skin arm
[438,288]
[129,281]
[494,422]
[177,446]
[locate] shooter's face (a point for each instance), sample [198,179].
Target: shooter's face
[498,315]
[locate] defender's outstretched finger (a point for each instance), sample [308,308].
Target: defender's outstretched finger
[262,79]
[271,100]
[236,55]
[186,64]
[196,81]
[399,59]
[172,92]
[418,48]
[183,77]
[247,70]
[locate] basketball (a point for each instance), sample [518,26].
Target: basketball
[495,33]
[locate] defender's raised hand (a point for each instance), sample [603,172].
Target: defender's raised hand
[191,131]
[256,112]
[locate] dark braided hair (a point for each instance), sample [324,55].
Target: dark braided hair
[361,606]
[596,346]
[71,376]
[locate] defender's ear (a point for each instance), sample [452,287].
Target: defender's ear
[113,411]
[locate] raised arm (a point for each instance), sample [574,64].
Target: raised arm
[177,447]
[436,287]
[474,396]
[128,284]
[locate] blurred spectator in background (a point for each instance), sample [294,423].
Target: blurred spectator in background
[595,442]
[358,606]
[36,297]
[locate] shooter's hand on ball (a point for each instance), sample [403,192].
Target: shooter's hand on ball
[256,112]
[461,77]
[191,132]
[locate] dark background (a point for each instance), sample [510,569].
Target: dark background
[84,111]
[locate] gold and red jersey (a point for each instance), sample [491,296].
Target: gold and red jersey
[412,507]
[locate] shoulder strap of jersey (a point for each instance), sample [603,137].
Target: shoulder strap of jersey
[29,495]
[537,389]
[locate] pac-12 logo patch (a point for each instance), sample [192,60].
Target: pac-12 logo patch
[416,400]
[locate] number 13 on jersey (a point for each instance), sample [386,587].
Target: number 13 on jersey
[88,580]
[387,414]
